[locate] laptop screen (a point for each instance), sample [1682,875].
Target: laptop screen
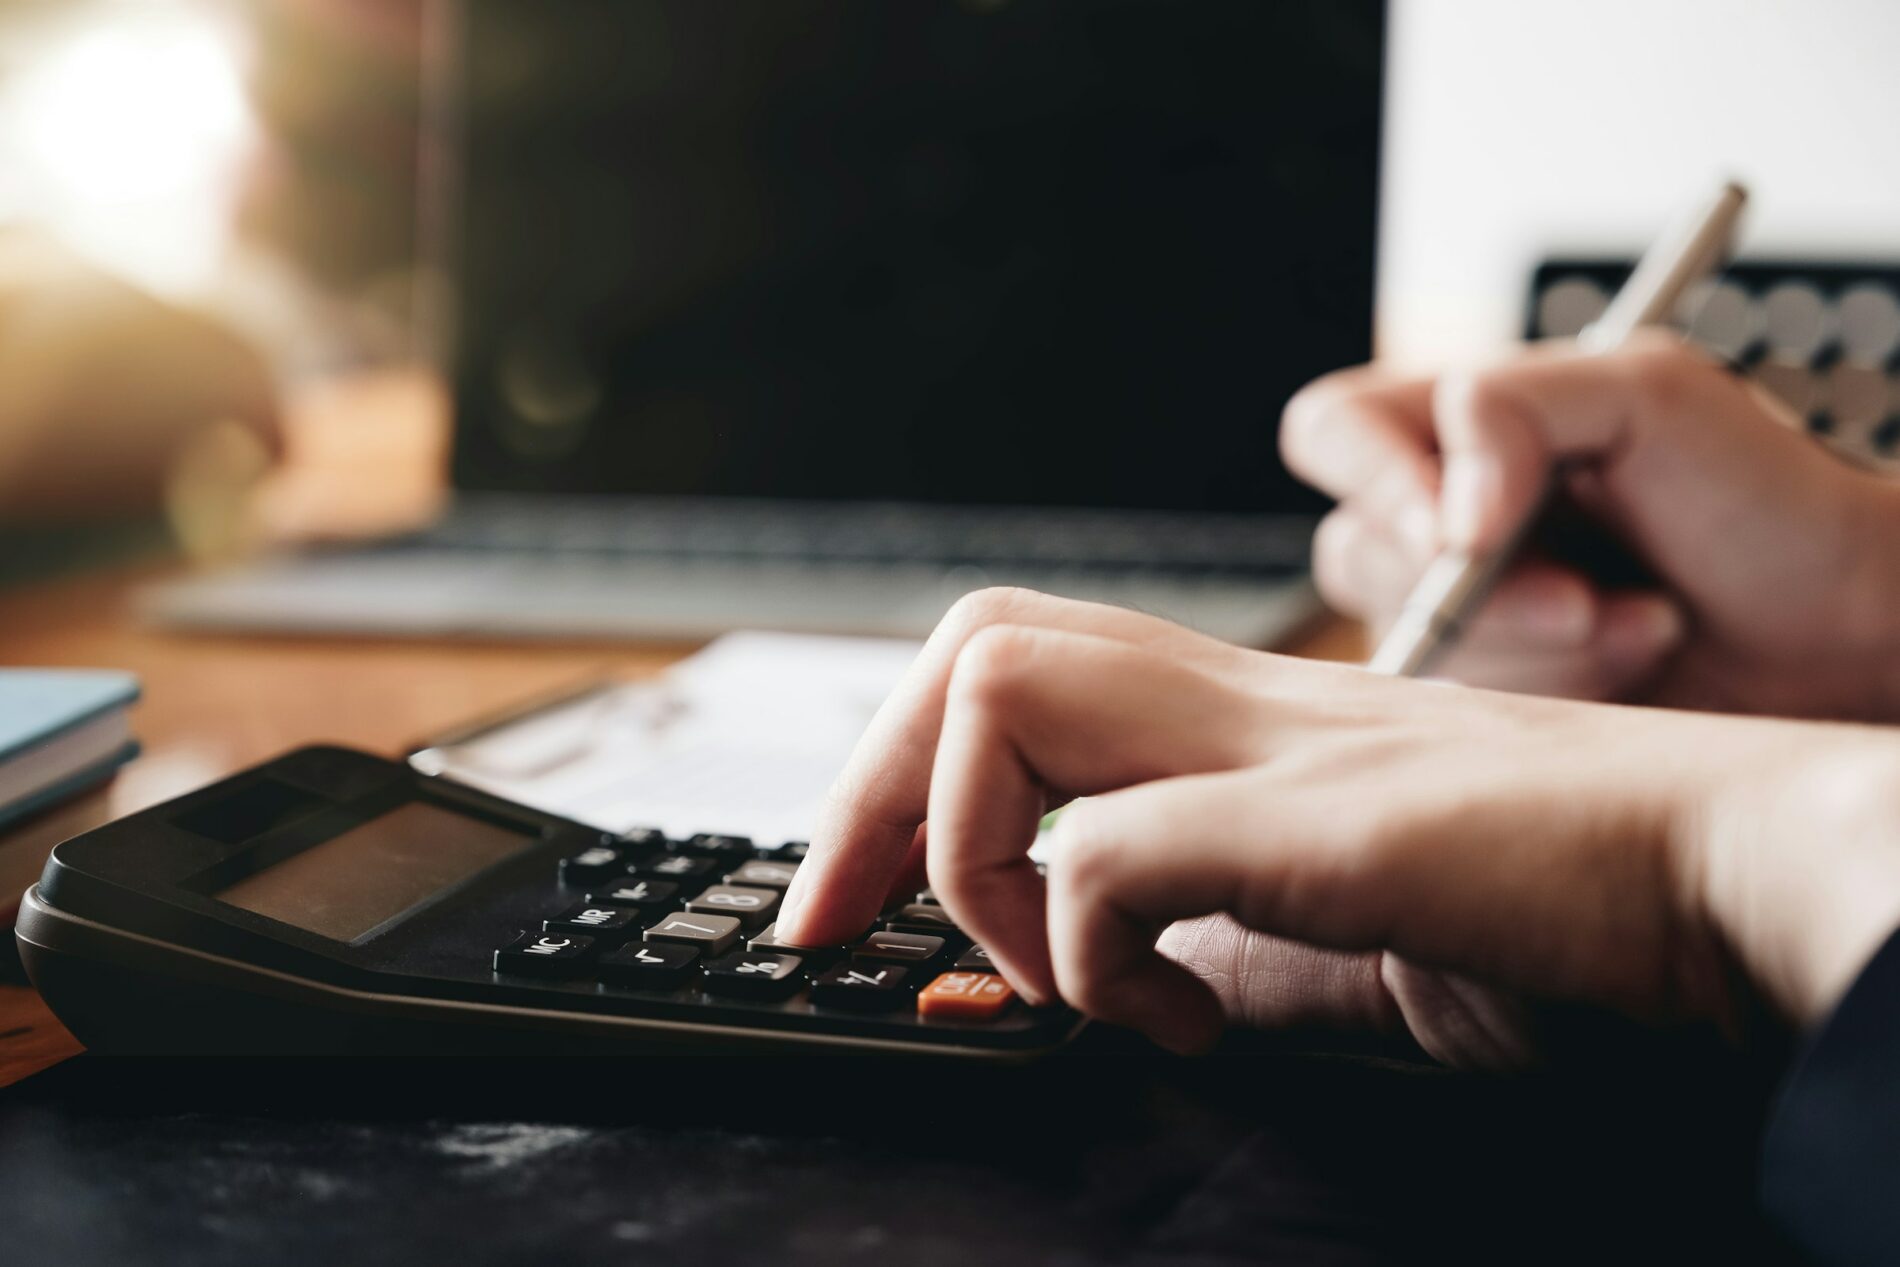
[989,252]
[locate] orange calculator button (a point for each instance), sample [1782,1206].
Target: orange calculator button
[966,996]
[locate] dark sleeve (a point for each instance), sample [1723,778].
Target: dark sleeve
[1831,1158]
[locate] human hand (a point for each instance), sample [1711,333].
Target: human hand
[1776,590]
[1442,845]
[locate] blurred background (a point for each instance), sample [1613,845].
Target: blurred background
[279,270]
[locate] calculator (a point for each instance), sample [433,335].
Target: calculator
[332,901]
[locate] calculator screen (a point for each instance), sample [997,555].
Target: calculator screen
[349,884]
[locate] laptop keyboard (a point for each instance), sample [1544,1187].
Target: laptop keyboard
[1002,540]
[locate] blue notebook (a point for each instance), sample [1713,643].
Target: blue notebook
[61,730]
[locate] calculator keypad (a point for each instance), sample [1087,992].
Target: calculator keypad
[689,924]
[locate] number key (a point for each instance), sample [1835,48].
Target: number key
[649,965]
[899,948]
[817,956]
[751,907]
[975,959]
[765,875]
[921,918]
[713,934]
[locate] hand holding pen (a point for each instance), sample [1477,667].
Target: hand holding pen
[1745,525]
[1458,580]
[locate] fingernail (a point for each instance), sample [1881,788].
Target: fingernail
[1474,484]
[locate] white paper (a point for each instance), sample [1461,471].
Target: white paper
[743,738]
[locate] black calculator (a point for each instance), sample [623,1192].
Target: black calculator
[332,901]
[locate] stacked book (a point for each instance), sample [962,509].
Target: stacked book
[62,732]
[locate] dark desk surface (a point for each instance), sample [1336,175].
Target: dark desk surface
[1259,1154]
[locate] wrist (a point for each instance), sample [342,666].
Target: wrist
[1794,850]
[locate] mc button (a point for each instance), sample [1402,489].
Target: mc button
[545,955]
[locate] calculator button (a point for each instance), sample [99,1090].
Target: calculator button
[889,947]
[655,965]
[644,840]
[966,996]
[751,907]
[795,850]
[596,862]
[765,875]
[861,987]
[920,918]
[975,959]
[729,848]
[713,934]
[649,897]
[751,974]
[814,956]
[604,923]
[691,874]
[545,955]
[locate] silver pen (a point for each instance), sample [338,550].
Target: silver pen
[1456,582]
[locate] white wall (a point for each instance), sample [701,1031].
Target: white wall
[1519,127]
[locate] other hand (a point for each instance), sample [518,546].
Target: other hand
[1776,588]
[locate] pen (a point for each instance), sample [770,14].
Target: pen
[1455,583]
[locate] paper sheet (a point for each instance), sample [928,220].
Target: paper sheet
[744,738]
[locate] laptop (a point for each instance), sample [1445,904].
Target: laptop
[816,314]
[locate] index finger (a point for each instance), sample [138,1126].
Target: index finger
[877,803]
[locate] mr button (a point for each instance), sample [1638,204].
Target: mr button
[965,996]
[607,923]
[545,955]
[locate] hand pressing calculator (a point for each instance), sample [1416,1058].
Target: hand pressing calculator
[331,901]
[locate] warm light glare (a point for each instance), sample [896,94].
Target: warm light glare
[123,133]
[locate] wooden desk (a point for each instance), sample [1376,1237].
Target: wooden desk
[213,705]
